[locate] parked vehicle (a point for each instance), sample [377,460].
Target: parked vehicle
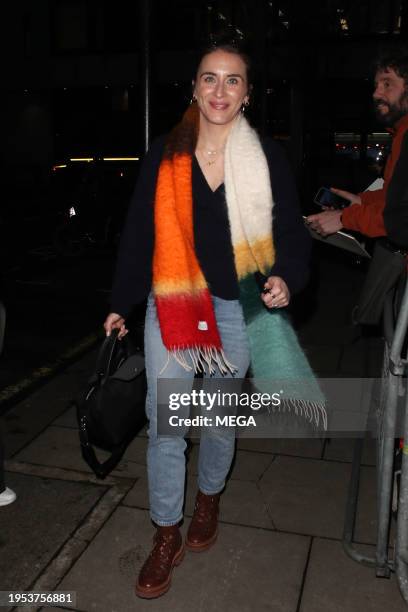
[27,215]
[64,210]
[92,209]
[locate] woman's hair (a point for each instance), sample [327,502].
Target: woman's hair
[224,42]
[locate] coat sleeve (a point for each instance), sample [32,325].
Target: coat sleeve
[133,274]
[367,217]
[396,204]
[291,238]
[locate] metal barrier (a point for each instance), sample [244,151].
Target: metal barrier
[394,369]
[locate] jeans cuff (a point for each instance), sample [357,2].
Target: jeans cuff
[211,492]
[168,523]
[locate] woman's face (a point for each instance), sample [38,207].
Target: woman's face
[221,86]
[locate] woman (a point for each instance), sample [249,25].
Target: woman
[198,231]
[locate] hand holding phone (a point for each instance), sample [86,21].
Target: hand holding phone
[327,199]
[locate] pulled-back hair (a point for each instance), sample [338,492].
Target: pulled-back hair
[225,42]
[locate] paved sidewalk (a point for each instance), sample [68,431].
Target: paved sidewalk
[279,546]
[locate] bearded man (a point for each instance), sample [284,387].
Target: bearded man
[366,213]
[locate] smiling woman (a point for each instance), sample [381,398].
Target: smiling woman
[215,238]
[221,91]
[221,88]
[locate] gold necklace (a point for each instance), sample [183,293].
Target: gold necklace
[212,154]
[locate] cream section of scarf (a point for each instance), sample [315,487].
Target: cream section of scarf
[249,199]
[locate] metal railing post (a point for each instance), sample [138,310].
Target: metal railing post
[395,368]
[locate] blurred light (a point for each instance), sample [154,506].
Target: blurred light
[121,174]
[344,24]
[120,158]
[59,166]
[72,212]
[81,159]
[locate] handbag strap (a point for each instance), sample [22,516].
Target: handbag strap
[106,354]
[100,468]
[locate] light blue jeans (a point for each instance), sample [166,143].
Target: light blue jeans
[166,465]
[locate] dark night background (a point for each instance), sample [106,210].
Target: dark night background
[74,76]
[84,85]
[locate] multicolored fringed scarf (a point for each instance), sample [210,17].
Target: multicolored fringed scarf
[184,306]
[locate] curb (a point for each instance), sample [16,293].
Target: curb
[13,393]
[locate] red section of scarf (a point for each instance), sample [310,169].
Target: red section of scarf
[183,320]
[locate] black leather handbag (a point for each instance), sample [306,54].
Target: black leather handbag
[387,266]
[112,410]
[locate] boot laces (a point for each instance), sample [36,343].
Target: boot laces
[162,551]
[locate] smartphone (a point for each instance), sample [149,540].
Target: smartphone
[325,197]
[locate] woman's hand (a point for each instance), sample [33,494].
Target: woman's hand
[277,293]
[115,321]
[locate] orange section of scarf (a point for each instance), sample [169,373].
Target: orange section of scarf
[183,301]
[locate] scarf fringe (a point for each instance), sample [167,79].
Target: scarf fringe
[202,358]
[311,411]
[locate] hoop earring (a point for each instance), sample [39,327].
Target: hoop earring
[244,106]
[193,99]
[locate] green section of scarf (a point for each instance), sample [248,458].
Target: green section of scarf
[277,359]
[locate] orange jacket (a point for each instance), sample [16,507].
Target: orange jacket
[367,217]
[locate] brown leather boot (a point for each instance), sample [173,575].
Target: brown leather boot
[203,531]
[155,576]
